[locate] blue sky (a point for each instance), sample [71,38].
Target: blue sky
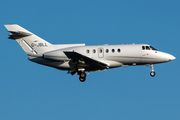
[35,92]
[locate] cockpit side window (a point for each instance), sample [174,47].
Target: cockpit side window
[147,48]
[143,47]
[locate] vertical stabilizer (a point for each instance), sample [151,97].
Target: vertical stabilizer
[29,42]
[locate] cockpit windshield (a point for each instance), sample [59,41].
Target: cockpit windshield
[148,48]
[152,48]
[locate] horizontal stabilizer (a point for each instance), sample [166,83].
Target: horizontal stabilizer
[17,31]
[18,34]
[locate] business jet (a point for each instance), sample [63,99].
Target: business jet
[80,59]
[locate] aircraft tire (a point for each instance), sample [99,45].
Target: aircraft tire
[82,79]
[152,73]
[83,75]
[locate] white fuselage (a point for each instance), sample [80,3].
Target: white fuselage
[112,55]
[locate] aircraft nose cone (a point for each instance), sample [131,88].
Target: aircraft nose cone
[169,57]
[173,58]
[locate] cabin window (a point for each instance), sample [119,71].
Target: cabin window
[94,51]
[100,50]
[87,51]
[107,50]
[119,50]
[113,50]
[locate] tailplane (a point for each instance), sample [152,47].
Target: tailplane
[29,42]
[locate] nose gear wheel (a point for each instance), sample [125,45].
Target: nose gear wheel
[152,71]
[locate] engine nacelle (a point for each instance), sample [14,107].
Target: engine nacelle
[57,55]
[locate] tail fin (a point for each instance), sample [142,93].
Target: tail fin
[29,42]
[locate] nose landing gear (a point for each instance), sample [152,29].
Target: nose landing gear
[152,71]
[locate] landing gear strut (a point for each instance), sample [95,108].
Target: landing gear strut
[152,71]
[82,76]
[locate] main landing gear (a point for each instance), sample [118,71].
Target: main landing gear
[152,71]
[74,69]
[82,76]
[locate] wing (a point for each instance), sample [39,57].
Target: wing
[85,62]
